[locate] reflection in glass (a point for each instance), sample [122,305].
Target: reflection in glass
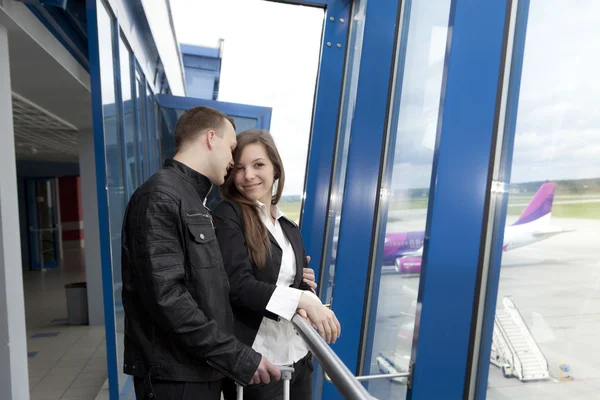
[47,220]
[142,144]
[128,117]
[114,159]
[151,124]
[547,321]
[43,222]
[404,195]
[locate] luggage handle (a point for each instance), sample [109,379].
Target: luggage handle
[286,376]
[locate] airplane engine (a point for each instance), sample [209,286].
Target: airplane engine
[408,265]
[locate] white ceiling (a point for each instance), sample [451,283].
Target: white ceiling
[51,90]
[41,136]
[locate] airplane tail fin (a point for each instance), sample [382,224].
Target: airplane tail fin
[540,206]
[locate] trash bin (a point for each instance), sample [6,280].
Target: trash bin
[77,304]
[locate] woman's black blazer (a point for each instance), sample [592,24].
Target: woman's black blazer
[251,288]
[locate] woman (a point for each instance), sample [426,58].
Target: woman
[264,255]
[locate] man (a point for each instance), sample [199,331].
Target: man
[178,319]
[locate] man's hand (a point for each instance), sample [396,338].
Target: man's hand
[265,372]
[308,274]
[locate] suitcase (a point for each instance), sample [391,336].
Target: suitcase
[286,376]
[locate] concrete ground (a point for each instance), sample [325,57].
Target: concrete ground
[555,284]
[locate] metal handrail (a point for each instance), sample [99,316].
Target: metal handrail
[364,378]
[341,377]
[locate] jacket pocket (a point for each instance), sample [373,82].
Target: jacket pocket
[203,247]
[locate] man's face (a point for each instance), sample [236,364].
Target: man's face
[223,147]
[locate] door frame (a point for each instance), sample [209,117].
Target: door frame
[33,223]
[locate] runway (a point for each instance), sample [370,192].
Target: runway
[556,286]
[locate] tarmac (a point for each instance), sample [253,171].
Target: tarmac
[554,283]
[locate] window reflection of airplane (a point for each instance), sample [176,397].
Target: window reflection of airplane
[402,251]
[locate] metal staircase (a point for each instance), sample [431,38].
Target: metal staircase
[514,349]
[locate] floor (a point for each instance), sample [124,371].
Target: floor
[65,362]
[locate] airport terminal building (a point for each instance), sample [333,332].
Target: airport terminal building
[442,164]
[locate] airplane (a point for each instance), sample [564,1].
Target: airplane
[402,251]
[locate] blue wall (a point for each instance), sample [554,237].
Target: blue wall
[36,169]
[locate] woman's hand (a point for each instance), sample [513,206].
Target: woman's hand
[322,317]
[308,274]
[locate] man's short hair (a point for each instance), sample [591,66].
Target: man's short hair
[196,121]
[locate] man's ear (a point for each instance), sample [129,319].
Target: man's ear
[210,138]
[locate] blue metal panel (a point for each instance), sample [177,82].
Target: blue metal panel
[362,179]
[188,49]
[47,3]
[261,114]
[459,200]
[512,106]
[324,129]
[54,3]
[65,29]
[103,219]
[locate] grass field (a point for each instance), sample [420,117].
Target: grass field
[516,207]
[291,209]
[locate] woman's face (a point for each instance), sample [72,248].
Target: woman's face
[254,174]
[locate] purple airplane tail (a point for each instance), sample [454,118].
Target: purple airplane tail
[540,205]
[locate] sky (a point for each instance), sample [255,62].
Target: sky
[271,56]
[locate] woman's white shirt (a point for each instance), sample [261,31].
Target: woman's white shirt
[278,341]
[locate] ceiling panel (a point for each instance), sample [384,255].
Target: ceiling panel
[42,136]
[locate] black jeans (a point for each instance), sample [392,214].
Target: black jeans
[300,385]
[155,389]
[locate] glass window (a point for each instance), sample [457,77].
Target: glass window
[545,341]
[264,69]
[200,83]
[165,120]
[142,131]
[151,123]
[114,158]
[404,195]
[128,117]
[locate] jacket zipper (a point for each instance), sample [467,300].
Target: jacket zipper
[202,214]
[196,214]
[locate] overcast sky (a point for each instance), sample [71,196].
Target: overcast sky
[271,59]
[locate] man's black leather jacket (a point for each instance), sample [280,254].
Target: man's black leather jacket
[178,319]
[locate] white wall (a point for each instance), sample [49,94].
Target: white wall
[14,376]
[91,230]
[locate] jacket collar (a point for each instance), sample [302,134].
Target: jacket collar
[200,182]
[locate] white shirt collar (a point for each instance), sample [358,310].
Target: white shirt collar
[275,210]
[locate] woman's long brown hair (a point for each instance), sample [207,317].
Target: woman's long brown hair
[255,232]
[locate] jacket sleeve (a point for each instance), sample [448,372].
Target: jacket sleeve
[155,237]
[245,290]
